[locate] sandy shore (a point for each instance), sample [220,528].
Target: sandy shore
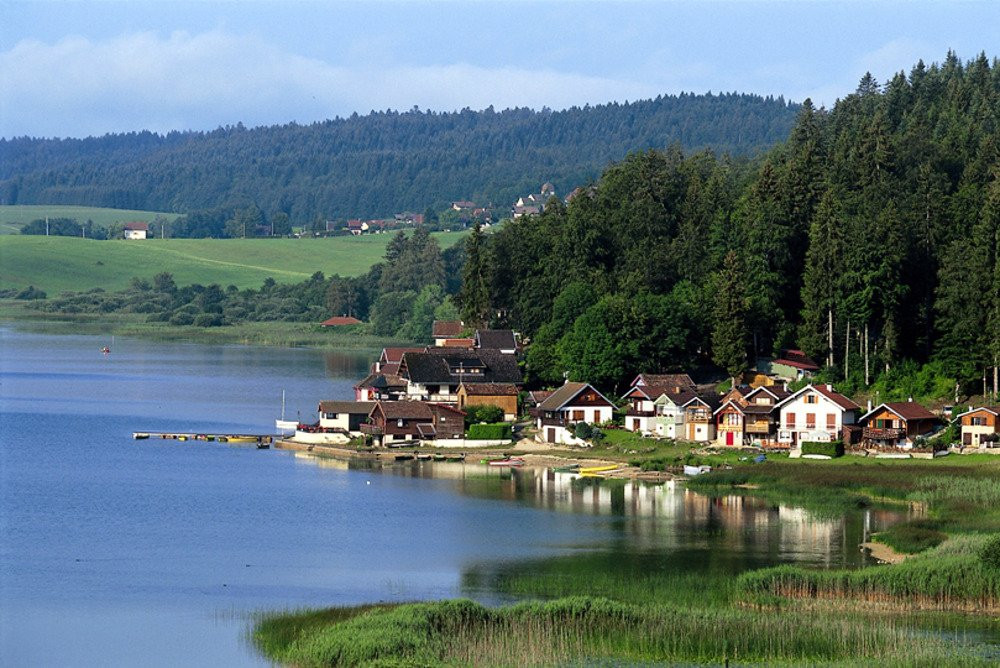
[883,552]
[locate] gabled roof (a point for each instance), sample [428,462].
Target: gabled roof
[339,320]
[566,394]
[678,398]
[446,329]
[436,365]
[538,396]
[709,402]
[404,410]
[137,227]
[490,389]
[776,392]
[394,355]
[352,407]
[797,359]
[498,339]
[735,404]
[681,380]
[995,410]
[381,381]
[827,391]
[907,410]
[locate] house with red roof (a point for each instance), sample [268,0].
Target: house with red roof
[980,427]
[897,425]
[136,230]
[443,330]
[815,413]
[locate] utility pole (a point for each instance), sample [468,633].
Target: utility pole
[46,226]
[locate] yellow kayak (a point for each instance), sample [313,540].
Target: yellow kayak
[597,469]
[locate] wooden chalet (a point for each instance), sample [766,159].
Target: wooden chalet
[501,395]
[896,425]
[435,375]
[699,425]
[570,404]
[980,427]
[398,422]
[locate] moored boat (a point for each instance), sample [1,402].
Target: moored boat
[510,461]
[597,469]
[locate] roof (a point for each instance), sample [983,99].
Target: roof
[796,358]
[442,329]
[346,407]
[458,343]
[908,410]
[735,404]
[339,320]
[712,402]
[779,393]
[381,381]
[490,389]
[396,354]
[137,227]
[499,339]
[995,410]
[538,396]
[436,365]
[679,398]
[681,380]
[827,391]
[407,410]
[566,394]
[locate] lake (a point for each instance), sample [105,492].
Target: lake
[123,552]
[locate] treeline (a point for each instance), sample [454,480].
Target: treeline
[869,238]
[401,295]
[381,163]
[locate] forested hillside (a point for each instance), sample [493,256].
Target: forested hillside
[379,164]
[869,238]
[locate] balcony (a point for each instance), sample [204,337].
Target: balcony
[553,421]
[758,427]
[875,434]
[699,417]
[371,429]
[631,412]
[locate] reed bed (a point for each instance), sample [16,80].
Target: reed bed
[587,630]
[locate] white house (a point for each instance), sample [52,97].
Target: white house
[136,230]
[814,413]
[669,409]
[699,425]
[570,404]
[346,416]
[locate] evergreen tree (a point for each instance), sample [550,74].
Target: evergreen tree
[730,336]
[474,295]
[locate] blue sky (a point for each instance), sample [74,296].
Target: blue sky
[80,68]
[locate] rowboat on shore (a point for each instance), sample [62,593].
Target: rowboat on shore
[511,461]
[597,469]
[572,468]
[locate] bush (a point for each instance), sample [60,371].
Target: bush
[912,537]
[989,553]
[181,318]
[583,430]
[30,292]
[834,449]
[476,414]
[208,320]
[491,432]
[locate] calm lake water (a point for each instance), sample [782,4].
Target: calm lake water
[122,552]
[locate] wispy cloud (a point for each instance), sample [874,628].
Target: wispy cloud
[78,86]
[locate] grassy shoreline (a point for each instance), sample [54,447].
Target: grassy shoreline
[784,615]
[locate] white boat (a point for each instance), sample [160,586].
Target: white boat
[696,470]
[283,425]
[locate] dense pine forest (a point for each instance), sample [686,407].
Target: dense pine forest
[869,239]
[381,163]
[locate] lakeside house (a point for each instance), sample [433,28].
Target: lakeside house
[645,412]
[436,374]
[397,422]
[344,416]
[136,230]
[559,413]
[500,395]
[814,413]
[698,423]
[749,416]
[669,412]
[443,330]
[897,425]
[980,427]
[380,386]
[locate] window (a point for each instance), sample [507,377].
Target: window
[577,416]
[330,416]
[831,421]
[732,419]
[811,398]
[790,420]
[810,420]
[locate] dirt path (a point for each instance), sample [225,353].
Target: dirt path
[884,553]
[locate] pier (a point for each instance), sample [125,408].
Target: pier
[262,441]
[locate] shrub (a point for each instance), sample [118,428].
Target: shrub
[834,449]
[989,553]
[475,414]
[30,292]
[912,537]
[181,318]
[491,432]
[208,320]
[596,435]
[583,430]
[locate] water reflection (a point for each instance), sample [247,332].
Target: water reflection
[739,530]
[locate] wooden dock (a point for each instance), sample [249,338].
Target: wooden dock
[261,441]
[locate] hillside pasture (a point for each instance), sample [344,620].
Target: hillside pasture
[14,216]
[58,264]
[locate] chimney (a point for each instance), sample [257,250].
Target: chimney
[869,410]
[910,399]
[829,387]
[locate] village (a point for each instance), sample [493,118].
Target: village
[467,391]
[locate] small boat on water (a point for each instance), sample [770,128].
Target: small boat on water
[510,461]
[140,435]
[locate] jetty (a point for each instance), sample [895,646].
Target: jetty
[262,441]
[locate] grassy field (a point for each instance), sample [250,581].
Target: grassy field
[13,216]
[57,264]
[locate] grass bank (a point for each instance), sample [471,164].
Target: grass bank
[14,216]
[58,264]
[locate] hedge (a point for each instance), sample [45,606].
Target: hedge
[489,432]
[834,449]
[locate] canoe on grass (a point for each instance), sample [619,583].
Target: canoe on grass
[597,469]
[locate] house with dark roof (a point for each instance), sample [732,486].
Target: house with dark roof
[698,423]
[563,409]
[344,416]
[435,375]
[381,386]
[503,340]
[646,388]
[748,416]
[897,425]
[815,413]
[393,356]
[501,395]
[441,330]
[675,381]
[398,422]
[980,427]
[669,413]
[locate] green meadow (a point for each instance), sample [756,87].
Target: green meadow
[58,264]
[13,216]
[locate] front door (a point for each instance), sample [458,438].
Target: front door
[967,438]
[551,435]
[729,438]
[635,424]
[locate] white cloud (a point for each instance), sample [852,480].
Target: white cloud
[146,81]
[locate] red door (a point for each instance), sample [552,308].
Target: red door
[729,438]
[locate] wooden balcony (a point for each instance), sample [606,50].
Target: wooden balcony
[371,429]
[553,422]
[698,417]
[758,427]
[632,412]
[875,434]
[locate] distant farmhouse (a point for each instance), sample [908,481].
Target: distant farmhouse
[533,204]
[136,230]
